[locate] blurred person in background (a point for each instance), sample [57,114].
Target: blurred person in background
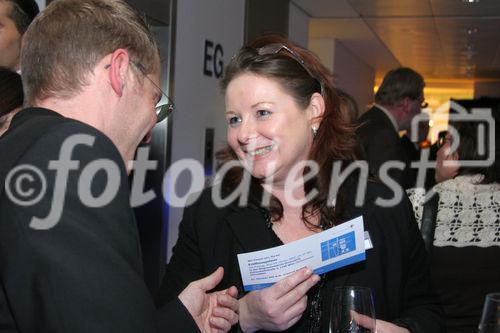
[465,244]
[11,97]
[348,106]
[398,100]
[15,17]
[417,145]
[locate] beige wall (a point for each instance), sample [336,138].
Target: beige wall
[298,25]
[351,73]
[353,76]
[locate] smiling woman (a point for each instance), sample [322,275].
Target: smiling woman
[267,130]
[283,117]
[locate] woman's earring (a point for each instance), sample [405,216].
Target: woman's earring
[314,130]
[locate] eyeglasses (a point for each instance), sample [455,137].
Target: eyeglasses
[165,105]
[421,101]
[275,48]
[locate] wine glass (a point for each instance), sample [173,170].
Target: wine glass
[490,320]
[352,310]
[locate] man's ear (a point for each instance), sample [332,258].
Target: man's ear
[120,62]
[316,110]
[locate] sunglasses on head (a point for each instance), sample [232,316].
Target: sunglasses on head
[276,48]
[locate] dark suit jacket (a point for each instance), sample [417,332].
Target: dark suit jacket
[85,273]
[381,143]
[396,268]
[413,154]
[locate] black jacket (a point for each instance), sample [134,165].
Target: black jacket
[396,268]
[85,273]
[381,143]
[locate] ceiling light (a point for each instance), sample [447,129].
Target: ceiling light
[471,31]
[470,1]
[469,51]
[470,70]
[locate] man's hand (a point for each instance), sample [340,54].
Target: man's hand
[278,307]
[215,312]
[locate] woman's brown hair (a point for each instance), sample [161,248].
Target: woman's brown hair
[468,148]
[301,74]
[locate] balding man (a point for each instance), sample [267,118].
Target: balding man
[398,100]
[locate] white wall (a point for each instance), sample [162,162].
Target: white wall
[199,103]
[353,76]
[325,50]
[351,73]
[298,25]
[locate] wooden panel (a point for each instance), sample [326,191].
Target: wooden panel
[468,52]
[391,8]
[439,38]
[413,42]
[326,8]
[359,39]
[461,8]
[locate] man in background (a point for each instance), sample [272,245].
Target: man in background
[15,17]
[70,256]
[398,100]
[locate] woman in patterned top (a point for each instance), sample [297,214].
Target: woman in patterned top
[466,244]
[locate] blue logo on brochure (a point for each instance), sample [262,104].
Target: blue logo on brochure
[338,246]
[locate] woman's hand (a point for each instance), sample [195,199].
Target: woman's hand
[381,326]
[278,307]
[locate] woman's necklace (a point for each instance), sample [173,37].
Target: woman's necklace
[315,310]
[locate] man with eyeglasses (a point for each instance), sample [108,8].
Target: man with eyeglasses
[70,256]
[398,100]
